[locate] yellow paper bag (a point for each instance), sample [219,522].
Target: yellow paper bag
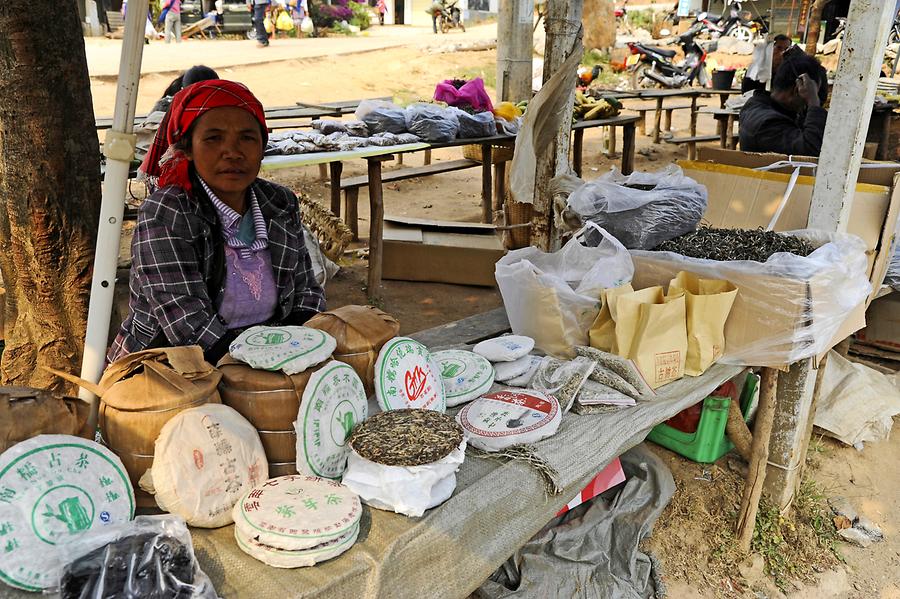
[651,331]
[603,332]
[708,303]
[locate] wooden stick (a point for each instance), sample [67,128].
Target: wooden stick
[756,475]
[737,431]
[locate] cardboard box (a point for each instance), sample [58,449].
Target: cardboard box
[440,251]
[882,324]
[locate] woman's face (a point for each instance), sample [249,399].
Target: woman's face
[227,150]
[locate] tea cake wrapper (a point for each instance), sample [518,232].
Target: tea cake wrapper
[334,402]
[407,377]
[507,371]
[510,417]
[287,348]
[297,512]
[534,364]
[466,375]
[205,460]
[506,348]
[283,558]
[54,487]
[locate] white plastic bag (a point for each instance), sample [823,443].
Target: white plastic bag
[554,297]
[406,490]
[787,308]
[323,268]
[641,210]
[151,556]
[306,25]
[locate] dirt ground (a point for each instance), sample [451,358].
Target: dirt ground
[692,536]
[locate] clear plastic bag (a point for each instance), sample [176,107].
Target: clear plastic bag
[381,117]
[787,308]
[475,125]
[641,210]
[555,297]
[432,122]
[150,557]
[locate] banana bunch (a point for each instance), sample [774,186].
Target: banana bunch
[587,108]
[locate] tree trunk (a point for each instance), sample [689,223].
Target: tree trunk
[599,24]
[50,185]
[814,26]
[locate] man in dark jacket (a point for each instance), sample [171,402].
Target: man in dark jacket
[790,119]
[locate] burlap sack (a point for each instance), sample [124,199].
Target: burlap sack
[270,401]
[360,332]
[708,303]
[27,412]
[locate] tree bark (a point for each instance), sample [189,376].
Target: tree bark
[50,185]
[814,26]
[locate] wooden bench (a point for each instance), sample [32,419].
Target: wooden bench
[351,186]
[115,20]
[668,110]
[692,142]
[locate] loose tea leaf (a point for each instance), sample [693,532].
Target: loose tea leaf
[406,437]
[735,244]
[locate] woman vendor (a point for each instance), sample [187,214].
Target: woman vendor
[216,249]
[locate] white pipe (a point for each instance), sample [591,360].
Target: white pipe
[119,150]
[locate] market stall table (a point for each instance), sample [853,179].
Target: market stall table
[726,118]
[628,130]
[660,95]
[495,509]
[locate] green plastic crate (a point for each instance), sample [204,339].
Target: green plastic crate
[709,442]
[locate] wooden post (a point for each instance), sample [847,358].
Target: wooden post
[577,148]
[756,474]
[487,159]
[515,46]
[376,225]
[563,25]
[859,68]
[336,168]
[656,119]
[627,148]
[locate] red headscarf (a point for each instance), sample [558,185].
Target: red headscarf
[169,165]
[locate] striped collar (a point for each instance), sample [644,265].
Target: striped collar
[231,222]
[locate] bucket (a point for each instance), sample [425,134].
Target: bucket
[722,79]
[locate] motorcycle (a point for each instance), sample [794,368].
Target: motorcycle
[450,17]
[735,25]
[651,66]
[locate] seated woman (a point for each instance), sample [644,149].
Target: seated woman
[216,249]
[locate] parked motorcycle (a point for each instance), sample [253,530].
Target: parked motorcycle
[651,66]
[734,24]
[450,17]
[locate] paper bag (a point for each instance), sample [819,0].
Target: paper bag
[603,331]
[651,331]
[708,303]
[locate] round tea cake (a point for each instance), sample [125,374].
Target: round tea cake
[510,370]
[499,420]
[286,348]
[297,512]
[283,558]
[534,364]
[465,374]
[506,348]
[51,488]
[334,402]
[405,377]
[206,459]
[406,437]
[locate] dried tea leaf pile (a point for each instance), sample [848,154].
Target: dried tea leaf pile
[735,244]
[406,437]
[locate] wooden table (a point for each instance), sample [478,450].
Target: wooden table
[660,95]
[627,123]
[726,117]
[723,94]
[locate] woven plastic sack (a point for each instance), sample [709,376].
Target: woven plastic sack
[554,297]
[787,308]
[641,210]
[151,556]
[475,125]
[432,122]
[472,93]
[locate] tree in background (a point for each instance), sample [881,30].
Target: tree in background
[599,24]
[814,25]
[50,185]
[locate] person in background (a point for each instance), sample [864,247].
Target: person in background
[435,11]
[766,60]
[149,170]
[381,8]
[216,249]
[173,20]
[789,120]
[259,8]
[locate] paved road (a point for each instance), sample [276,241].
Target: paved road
[159,57]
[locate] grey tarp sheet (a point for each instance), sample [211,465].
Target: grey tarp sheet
[455,547]
[592,551]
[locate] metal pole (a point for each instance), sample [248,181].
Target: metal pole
[119,151]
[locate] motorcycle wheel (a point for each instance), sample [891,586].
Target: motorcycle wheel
[251,34]
[742,33]
[894,37]
[639,78]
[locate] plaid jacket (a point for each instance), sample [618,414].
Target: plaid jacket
[178,250]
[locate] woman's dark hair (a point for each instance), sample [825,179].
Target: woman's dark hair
[174,87]
[189,77]
[796,64]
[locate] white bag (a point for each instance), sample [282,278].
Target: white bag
[555,297]
[306,25]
